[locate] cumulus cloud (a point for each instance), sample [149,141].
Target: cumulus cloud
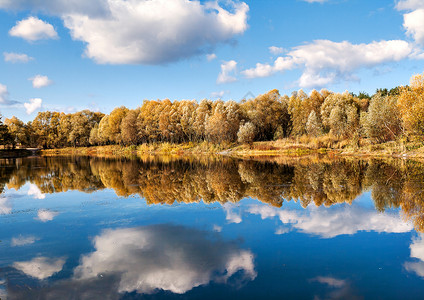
[275,50]
[414,25]
[40,267]
[45,215]
[23,240]
[5,206]
[164,257]
[156,31]
[33,105]
[227,70]
[16,57]
[324,62]
[210,57]
[39,81]
[33,29]
[35,192]
[328,223]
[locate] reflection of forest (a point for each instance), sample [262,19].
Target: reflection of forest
[393,183]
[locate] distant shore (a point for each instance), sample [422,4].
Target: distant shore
[257,149]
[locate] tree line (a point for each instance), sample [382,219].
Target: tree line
[385,116]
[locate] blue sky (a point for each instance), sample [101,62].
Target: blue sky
[69,55]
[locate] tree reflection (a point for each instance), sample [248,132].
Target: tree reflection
[322,182]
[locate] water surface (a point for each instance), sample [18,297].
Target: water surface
[211,228]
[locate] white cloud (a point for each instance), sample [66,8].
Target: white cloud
[23,240]
[165,257]
[275,50]
[410,4]
[231,215]
[16,57]
[40,267]
[33,29]
[156,31]
[35,192]
[227,70]
[5,206]
[328,223]
[58,7]
[218,95]
[39,81]
[414,25]
[210,57]
[413,22]
[45,215]
[33,105]
[4,94]
[323,61]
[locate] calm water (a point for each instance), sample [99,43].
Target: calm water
[90,228]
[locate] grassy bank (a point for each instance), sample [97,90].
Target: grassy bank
[284,147]
[155,148]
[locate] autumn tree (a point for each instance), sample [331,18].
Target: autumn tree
[5,136]
[382,122]
[340,114]
[246,133]
[411,105]
[269,113]
[129,130]
[18,131]
[313,125]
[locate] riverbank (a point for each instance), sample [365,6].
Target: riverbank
[15,153]
[286,147]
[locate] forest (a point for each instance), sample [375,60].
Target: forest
[388,115]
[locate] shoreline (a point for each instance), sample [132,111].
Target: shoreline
[259,149]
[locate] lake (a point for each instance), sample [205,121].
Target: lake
[211,228]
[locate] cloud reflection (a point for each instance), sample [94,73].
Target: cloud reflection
[231,215]
[23,240]
[45,215]
[417,252]
[329,223]
[144,260]
[40,267]
[164,257]
[5,206]
[35,192]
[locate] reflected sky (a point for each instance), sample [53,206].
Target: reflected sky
[61,238]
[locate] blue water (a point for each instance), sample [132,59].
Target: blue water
[78,245]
